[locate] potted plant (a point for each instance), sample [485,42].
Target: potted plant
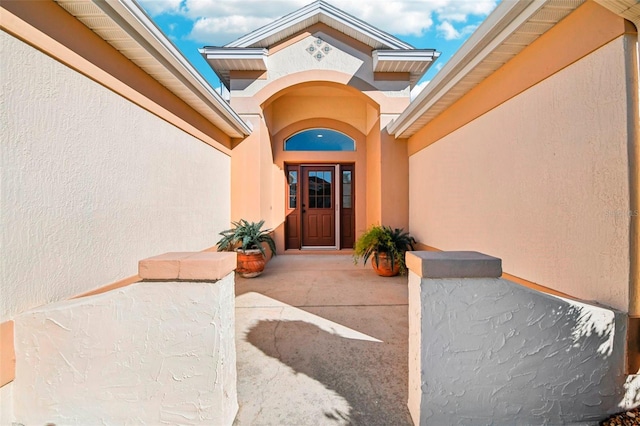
[248,240]
[387,246]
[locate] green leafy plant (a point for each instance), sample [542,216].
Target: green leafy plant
[384,239]
[247,236]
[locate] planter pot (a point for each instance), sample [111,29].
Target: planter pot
[384,267]
[250,263]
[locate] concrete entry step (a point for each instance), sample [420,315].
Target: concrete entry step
[321,341]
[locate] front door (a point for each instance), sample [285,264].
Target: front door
[318,210]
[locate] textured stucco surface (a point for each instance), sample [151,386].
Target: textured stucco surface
[91,183]
[540,181]
[494,352]
[6,404]
[149,353]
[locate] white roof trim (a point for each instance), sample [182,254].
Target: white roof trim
[414,61]
[428,55]
[256,54]
[503,22]
[135,23]
[319,7]
[223,60]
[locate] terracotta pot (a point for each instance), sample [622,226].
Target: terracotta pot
[250,263]
[384,267]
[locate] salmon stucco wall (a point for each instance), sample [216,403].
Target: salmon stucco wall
[540,181]
[92,183]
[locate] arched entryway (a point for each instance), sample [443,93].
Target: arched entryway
[319,134]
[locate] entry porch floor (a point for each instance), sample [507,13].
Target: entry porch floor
[321,341]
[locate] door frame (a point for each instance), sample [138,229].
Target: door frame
[337,202]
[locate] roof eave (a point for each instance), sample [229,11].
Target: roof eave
[137,25]
[499,25]
[184,69]
[414,61]
[223,60]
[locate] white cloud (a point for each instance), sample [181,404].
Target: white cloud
[395,17]
[225,21]
[460,10]
[418,88]
[217,22]
[449,32]
[220,31]
[158,7]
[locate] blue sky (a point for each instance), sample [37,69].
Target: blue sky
[443,25]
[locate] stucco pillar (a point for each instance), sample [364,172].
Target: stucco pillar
[387,178]
[485,350]
[161,351]
[374,177]
[395,181]
[250,177]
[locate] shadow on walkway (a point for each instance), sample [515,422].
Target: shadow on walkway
[322,342]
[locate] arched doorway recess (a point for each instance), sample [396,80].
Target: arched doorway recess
[319,137]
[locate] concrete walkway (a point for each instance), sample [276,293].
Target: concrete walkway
[321,342]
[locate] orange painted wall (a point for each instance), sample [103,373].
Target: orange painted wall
[394,185]
[7,353]
[532,165]
[247,176]
[374,177]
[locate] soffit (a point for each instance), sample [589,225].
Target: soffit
[506,32]
[628,9]
[415,62]
[223,60]
[126,27]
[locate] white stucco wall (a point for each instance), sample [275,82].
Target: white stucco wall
[149,353]
[6,404]
[540,181]
[91,183]
[488,351]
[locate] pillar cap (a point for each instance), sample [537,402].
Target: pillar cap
[200,266]
[453,264]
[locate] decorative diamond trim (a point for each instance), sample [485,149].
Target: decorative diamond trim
[319,49]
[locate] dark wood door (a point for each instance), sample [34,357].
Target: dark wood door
[318,209]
